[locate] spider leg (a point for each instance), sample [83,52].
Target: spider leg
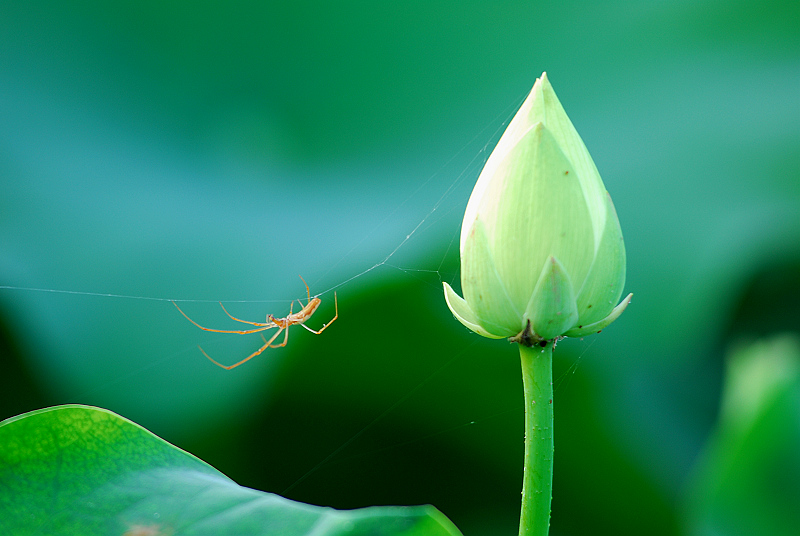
[308,292]
[336,301]
[285,339]
[244,332]
[248,358]
[282,324]
[262,324]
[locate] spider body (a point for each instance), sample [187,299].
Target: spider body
[282,324]
[299,317]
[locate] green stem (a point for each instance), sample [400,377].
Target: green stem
[537,483]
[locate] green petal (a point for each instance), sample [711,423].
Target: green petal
[583,330]
[542,106]
[557,121]
[536,210]
[552,309]
[460,309]
[603,286]
[483,290]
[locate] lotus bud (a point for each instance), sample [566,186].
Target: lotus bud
[542,255]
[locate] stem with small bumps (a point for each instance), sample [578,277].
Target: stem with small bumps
[537,483]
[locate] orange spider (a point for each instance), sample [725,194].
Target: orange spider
[281,323]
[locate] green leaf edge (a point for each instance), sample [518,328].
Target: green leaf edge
[426,517]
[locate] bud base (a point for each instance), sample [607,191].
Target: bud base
[528,337]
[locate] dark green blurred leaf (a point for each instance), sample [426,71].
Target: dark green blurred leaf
[215,151]
[82,470]
[748,482]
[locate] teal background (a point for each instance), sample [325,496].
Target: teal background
[214,151]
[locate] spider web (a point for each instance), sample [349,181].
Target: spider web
[454,193]
[443,200]
[453,198]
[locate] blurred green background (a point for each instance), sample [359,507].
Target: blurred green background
[214,151]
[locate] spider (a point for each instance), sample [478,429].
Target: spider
[281,323]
